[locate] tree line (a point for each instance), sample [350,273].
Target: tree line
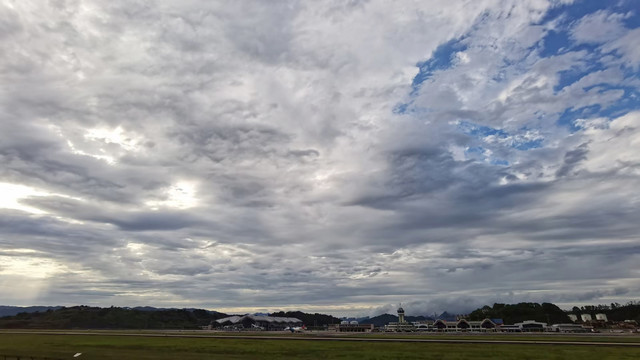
[552,314]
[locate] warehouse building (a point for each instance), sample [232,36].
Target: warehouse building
[568,328]
[258,322]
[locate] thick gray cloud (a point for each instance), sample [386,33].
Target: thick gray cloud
[323,156]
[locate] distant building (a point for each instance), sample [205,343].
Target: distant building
[532,326]
[510,328]
[484,325]
[351,326]
[401,325]
[525,326]
[425,325]
[257,322]
[601,317]
[464,325]
[585,317]
[566,328]
[573,317]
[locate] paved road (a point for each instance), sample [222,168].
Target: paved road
[334,338]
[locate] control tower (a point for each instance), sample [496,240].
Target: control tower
[401,315]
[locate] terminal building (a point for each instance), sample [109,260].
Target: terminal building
[525,326]
[440,325]
[464,325]
[351,326]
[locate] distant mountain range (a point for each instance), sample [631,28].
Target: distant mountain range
[15,310]
[85,317]
[309,319]
[446,316]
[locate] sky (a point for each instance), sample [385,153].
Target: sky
[327,156]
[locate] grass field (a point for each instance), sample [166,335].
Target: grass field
[122,347]
[515,337]
[588,337]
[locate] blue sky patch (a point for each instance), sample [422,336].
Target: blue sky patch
[516,141]
[499,162]
[629,102]
[567,13]
[554,43]
[568,77]
[441,59]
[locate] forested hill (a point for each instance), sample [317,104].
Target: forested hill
[85,317]
[309,319]
[552,314]
[514,313]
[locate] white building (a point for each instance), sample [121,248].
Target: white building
[351,326]
[601,317]
[257,322]
[573,317]
[568,328]
[585,317]
[525,326]
[464,325]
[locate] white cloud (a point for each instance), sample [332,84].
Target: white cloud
[599,27]
[614,148]
[247,155]
[626,47]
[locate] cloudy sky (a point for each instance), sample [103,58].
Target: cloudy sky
[333,156]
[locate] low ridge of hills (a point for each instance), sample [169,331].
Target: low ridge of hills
[6,310]
[86,317]
[552,314]
[15,310]
[309,319]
